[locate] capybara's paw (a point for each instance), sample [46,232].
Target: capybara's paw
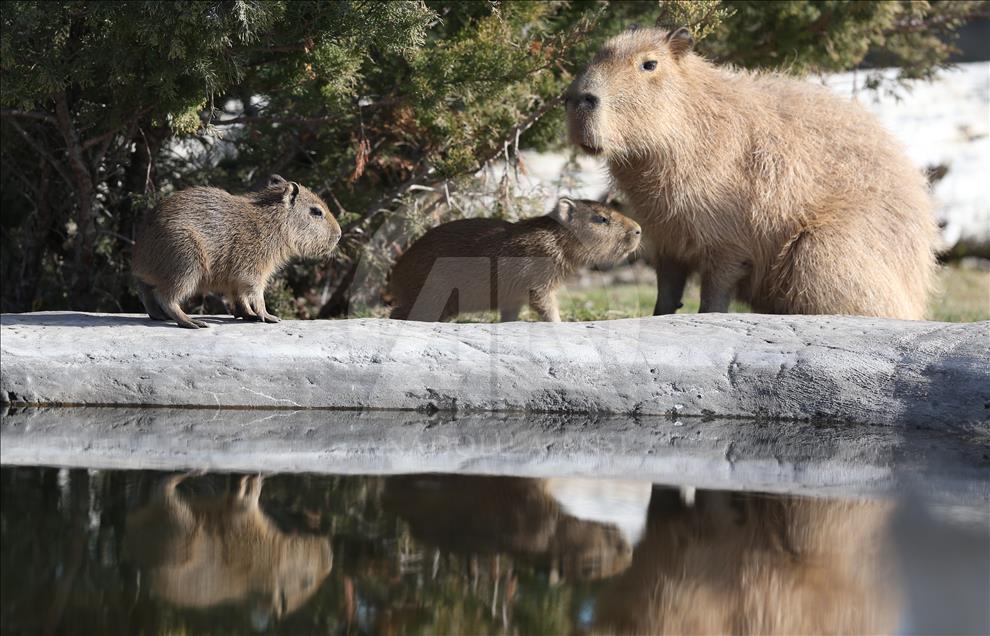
[200,324]
[271,318]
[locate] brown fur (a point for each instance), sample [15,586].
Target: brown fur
[492,264]
[772,188]
[491,515]
[201,552]
[750,564]
[204,239]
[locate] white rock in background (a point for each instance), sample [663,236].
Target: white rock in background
[944,121]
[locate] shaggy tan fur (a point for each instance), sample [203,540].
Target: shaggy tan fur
[482,264]
[774,189]
[201,552]
[736,563]
[207,240]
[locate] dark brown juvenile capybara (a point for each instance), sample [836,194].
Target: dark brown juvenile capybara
[487,264]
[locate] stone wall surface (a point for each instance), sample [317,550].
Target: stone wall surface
[793,457]
[862,370]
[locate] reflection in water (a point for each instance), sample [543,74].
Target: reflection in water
[490,515]
[745,564]
[204,551]
[142,552]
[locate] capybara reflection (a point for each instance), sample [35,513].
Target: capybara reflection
[482,515]
[207,240]
[204,551]
[736,563]
[775,190]
[488,264]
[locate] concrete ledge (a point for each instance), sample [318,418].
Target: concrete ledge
[795,457]
[730,365]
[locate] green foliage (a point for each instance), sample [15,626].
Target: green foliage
[107,106]
[821,36]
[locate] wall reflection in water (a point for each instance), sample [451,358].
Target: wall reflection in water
[129,552]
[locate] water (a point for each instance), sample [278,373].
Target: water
[132,551]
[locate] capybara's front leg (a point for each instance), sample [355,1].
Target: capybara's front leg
[717,285]
[671,277]
[258,304]
[544,303]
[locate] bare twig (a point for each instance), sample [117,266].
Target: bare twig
[6,112]
[84,196]
[44,153]
[250,119]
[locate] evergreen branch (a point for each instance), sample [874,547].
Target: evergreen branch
[915,25]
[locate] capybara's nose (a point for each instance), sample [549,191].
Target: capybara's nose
[588,101]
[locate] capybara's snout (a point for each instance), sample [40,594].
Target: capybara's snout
[633,233]
[582,102]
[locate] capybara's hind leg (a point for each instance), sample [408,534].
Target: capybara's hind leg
[241,303]
[172,308]
[147,295]
[818,274]
[182,319]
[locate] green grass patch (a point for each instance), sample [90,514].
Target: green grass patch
[962,295]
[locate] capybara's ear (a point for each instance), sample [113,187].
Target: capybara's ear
[275,179]
[680,41]
[564,212]
[290,194]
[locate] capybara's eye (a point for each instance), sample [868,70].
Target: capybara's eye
[650,65]
[598,218]
[315,211]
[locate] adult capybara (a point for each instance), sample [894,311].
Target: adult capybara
[204,239]
[753,563]
[772,188]
[487,264]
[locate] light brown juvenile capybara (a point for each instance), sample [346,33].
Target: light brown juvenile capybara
[208,240]
[749,563]
[487,264]
[776,190]
[205,551]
